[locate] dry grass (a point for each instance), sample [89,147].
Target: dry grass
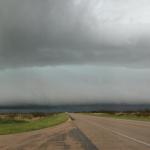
[14,123]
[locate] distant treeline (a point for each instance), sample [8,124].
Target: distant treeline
[108,107]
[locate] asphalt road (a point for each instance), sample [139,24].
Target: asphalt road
[114,134]
[84,132]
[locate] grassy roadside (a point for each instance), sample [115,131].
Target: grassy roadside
[130,116]
[8,126]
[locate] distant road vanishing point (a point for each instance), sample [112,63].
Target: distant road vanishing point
[83,132]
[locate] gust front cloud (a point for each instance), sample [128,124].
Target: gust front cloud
[53,32]
[74,85]
[74,51]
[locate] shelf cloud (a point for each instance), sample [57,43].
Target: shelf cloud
[80,36]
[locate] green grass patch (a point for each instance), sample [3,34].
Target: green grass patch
[131,116]
[8,126]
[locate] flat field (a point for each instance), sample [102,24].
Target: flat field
[141,116]
[15,123]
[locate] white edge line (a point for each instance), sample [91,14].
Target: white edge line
[123,135]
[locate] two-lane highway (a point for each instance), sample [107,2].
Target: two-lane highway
[84,132]
[114,134]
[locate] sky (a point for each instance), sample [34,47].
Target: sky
[74,51]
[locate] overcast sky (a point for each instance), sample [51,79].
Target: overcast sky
[74,51]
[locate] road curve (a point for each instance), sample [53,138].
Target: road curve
[65,136]
[84,132]
[114,134]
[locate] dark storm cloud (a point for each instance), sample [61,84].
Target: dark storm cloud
[54,32]
[74,51]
